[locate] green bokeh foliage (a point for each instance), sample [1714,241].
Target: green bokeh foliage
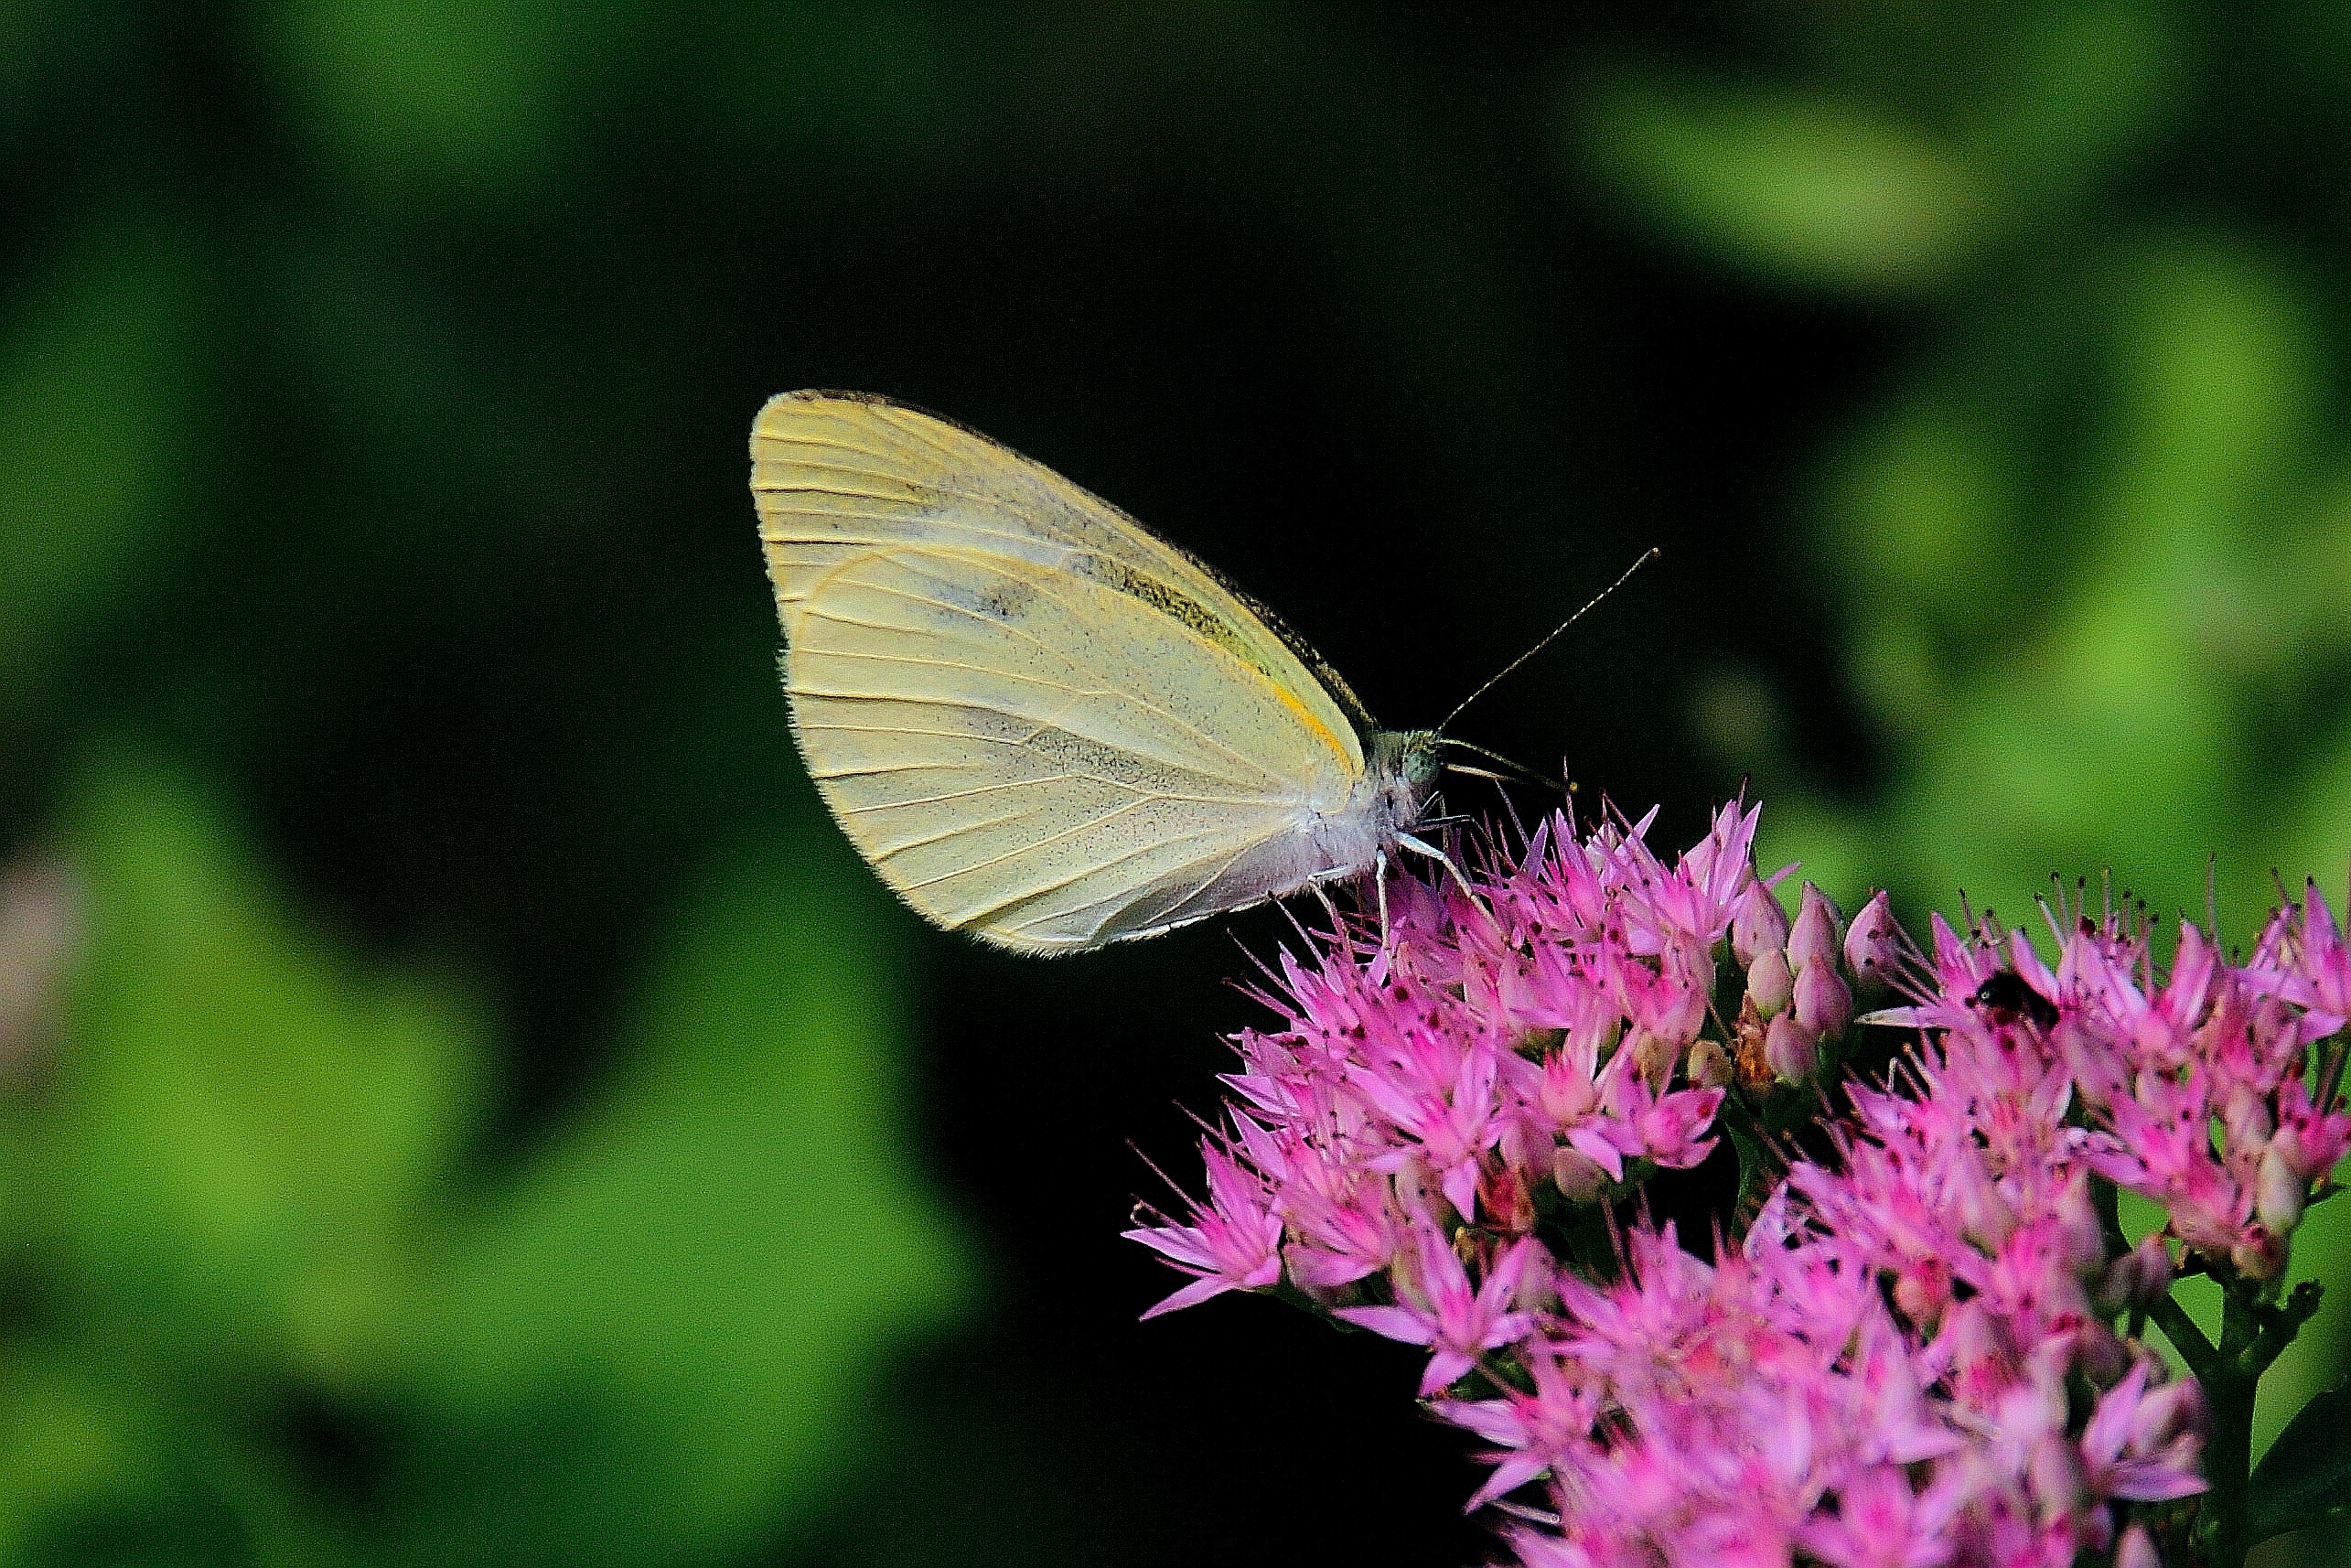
[244,1191]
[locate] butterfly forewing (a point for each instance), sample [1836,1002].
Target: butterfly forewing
[1037,721]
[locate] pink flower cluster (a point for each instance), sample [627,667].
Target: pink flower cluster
[2195,1087]
[1909,1358]
[1483,1054]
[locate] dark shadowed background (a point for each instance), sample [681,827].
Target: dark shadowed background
[464,1101]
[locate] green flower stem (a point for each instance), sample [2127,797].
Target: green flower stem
[2253,1334]
[2228,1387]
[2198,1352]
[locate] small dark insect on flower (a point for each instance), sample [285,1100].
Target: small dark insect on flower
[2006,997]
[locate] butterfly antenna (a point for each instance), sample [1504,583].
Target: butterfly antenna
[1518,770]
[1648,555]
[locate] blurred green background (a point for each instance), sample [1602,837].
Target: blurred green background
[461,1101]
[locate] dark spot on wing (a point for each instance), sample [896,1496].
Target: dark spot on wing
[1174,604]
[1007,601]
[999,598]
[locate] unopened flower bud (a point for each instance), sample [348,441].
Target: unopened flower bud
[1518,1146]
[1757,925]
[1790,1049]
[1972,1342]
[1922,1291]
[2248,1117]
[1771,982]
[1985,1218]
[2078,1226]
[1564,1095]
[2279,1194]
[1818,931]
[1417,1188]
[1653,1058]
[1874,942]
[1709,1066]
[1474,1248]
[1679,1019]
[2287,1144]
[1576,1174]
[1824,1004]
[2059,1485]
[2169,1411]
[2100,1353]
[1308,1269]
[1538,1288]
[1503,1202]
[2262,1255]
[2138,1278]
[1605,1038]
[2136,1549]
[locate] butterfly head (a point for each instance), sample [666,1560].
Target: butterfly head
[1402,770]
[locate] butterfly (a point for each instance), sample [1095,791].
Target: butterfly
[1039,721]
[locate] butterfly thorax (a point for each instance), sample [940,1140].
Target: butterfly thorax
[1400,774]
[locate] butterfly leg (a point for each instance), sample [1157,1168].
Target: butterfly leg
[1330,912]
[1461,878]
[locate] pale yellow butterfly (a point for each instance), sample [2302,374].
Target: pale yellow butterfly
[1039,721]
